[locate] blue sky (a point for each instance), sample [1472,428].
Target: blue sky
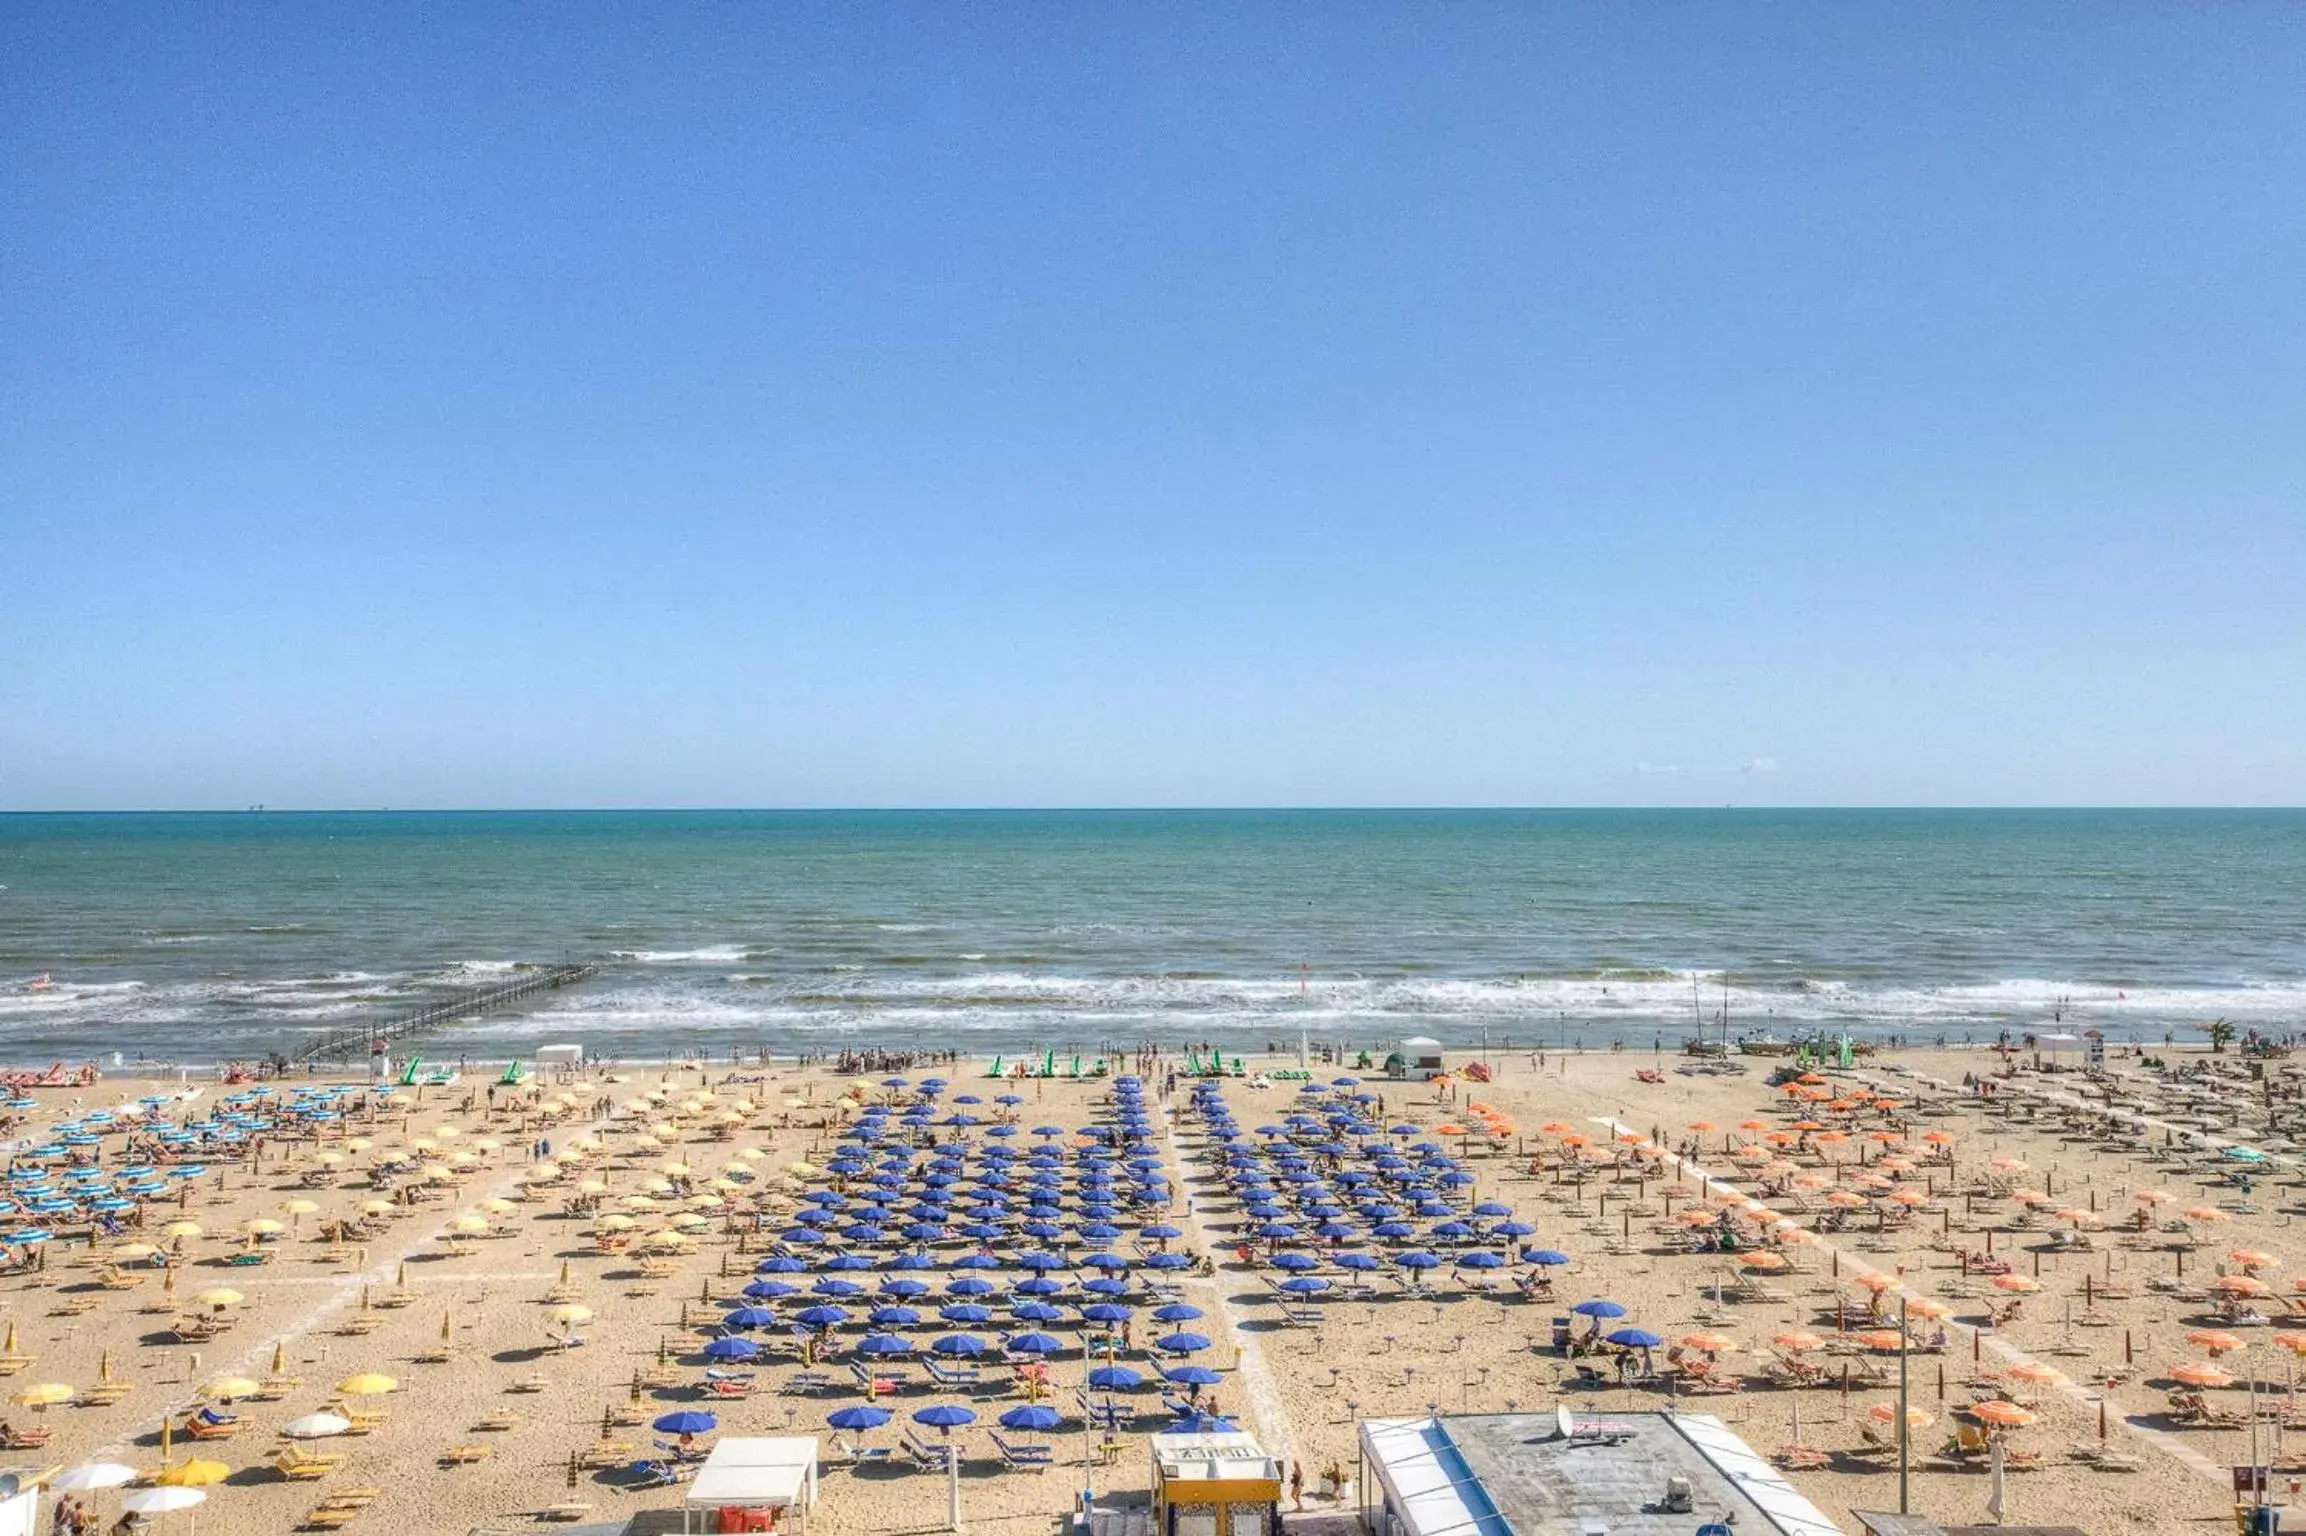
[791,405]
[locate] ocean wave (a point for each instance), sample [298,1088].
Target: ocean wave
[721,954]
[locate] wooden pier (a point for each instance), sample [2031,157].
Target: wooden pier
[350,1044]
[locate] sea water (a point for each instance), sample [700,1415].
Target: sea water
[204,937]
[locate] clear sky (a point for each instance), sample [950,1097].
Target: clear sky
[467,405]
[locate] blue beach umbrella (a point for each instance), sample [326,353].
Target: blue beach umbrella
[1635,1338]
[1192,1376]
[689,1421]
[1115,1378]
[1031,1416]
[1182,1343]
[858,1417]
[959,1344]
[731,1348]
[944,1416]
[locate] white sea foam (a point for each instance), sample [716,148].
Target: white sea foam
[723,954]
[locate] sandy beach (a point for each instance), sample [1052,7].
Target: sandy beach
[458,1293]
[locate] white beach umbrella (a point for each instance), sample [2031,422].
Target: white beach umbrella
[92,1478]
[161,1501]
[316,1426]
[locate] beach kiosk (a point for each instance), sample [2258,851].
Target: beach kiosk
[765,1483]
[1216,1484]
[1418,1060]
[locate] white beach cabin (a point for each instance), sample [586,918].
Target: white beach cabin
[1419,1059]
[765,1483]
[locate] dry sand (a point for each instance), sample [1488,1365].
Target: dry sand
[1300,1388]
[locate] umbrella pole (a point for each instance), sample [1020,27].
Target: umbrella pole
[1905,1431]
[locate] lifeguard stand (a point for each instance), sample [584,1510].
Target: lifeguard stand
[1217,1484]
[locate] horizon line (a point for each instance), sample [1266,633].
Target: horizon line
[1093,809]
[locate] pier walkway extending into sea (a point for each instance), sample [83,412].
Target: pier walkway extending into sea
[348,1044]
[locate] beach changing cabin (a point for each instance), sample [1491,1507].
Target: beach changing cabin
[1417,1060]
[1216,1484]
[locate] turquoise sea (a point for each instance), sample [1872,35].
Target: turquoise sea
[200,937]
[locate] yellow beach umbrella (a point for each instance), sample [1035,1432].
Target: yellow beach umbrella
[220,1296]
[497,1205]
[591,1187]
[264,1226]
[129,1253]
[367,1384]
[302,1207]
[181,1229]
[570,1312]
[376,1207]
[44,1394]
[469,1224]
[195,1473]
[616,1222]
[225,1388]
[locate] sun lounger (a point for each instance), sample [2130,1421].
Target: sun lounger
[930,1456]
[1022,1456]
[858,1455]
[1105,1415]
[301,1466]
[327,1518]
[660,1474]
[565,1514]
[207,1424]
[604,1453]
[877,1381]
[952,1375]
[806,1381]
